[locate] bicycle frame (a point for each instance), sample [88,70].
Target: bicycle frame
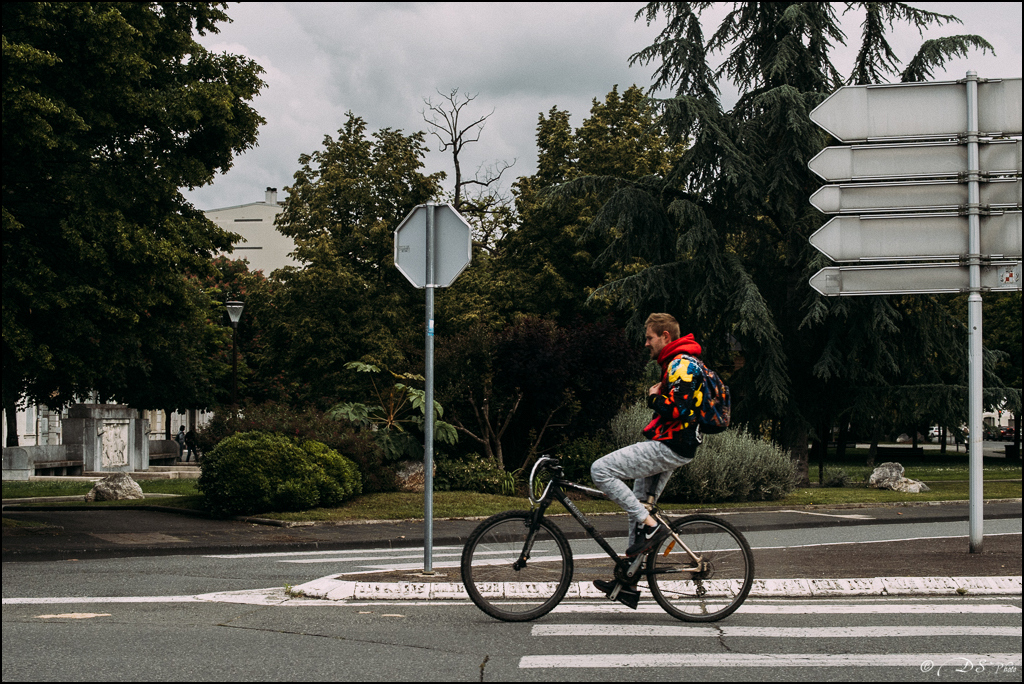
[554,491]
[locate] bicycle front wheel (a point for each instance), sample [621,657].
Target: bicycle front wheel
[503,586]
[709,587]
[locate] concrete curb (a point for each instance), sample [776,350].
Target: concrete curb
[331,589]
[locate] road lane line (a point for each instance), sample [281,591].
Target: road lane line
[639,660]
[771,632]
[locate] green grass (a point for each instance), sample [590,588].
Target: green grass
[929,468]
[399,506]
[947,479]
[23,490]
[10,523]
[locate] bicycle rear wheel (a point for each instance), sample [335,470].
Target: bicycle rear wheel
[500,589]
[710,589]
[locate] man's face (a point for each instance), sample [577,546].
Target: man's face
[656,342]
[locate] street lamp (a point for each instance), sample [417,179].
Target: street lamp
[234,314]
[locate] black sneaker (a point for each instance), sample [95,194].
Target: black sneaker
[646,538]
[628,596]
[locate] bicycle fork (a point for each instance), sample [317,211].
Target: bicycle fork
[531,536]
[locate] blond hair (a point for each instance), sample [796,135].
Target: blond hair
[663,322]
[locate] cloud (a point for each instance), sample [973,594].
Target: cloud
[379,60]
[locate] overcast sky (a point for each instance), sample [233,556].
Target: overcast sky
[380,60]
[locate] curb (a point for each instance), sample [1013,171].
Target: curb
[330,589]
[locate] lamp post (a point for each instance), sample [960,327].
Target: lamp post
[234,314]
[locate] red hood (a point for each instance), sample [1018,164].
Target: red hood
[684,345]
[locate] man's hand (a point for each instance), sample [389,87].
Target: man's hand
[655,389]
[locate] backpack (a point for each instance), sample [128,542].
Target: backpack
[714,412]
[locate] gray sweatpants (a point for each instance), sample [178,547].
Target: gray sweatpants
[649,464]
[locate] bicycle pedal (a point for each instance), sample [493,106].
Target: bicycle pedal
[628,598]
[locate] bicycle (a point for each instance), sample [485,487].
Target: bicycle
[517,565]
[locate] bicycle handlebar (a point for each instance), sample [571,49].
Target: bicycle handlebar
[545,463]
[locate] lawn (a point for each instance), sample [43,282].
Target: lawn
[21,490]
[947,479]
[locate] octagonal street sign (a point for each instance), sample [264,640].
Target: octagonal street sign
[452,249]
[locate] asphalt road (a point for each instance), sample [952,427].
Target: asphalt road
[918,639]
[112,596]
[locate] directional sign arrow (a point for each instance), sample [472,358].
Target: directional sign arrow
[908,110]
[839,281]
[893,238]
[913,160]
[913,196]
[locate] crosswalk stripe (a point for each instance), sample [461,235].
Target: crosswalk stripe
[800,608]
[770,632]
[919,660]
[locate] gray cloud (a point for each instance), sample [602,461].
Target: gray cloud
[380,60]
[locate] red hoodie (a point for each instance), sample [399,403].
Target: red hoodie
[682,390]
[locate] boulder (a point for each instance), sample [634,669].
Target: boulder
[116,487]
[890,476]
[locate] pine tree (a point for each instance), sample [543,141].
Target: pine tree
[724,234]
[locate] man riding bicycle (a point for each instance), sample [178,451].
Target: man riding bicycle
[673,437]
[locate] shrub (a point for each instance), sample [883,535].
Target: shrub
[628,424]
[835,477]
[733,466]
[578,455]
[479,475]
[255,472]
[307,424]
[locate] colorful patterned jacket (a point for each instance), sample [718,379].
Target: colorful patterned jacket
[682,387]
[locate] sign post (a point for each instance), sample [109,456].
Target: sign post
[944,184]
[433,245]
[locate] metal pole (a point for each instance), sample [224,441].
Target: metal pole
[428,431]
[974,318]
[234,370]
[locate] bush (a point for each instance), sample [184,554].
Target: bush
[628,424]
[307,424]
[835,477]
[578,455]
[733,466]
[255,472]
[478,475]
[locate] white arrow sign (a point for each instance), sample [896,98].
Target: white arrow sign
[913,196]
[840,281]
[913,160]
[910,110]
[892,238]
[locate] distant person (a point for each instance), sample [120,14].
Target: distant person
[180,439]
[190,445]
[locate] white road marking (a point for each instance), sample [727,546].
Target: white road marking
[856,516]
[918,660]
[806,609]
[769,632]
[882,541]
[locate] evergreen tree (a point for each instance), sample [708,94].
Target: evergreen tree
[549,265]
[722,236]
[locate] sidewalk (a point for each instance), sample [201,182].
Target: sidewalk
[880,568]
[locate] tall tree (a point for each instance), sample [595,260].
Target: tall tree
[549,265]
[109,109]
[721,238]
[349,302]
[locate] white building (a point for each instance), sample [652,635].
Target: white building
[39,425]
[262,245]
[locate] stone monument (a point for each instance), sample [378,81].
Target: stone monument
[107,438]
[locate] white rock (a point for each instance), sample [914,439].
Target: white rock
[890,476]
[116,487]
